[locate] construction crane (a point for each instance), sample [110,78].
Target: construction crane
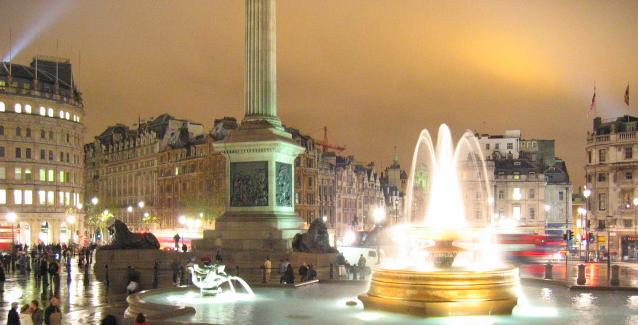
[326,145]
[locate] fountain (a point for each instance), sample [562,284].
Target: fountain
[210,278]
[443,266]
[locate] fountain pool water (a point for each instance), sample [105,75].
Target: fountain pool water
[326,304]
[443,266]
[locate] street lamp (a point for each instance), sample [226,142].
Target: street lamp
[94,200]
[587,194]
[11,217]
[70,219]
[140,204]
[379,215]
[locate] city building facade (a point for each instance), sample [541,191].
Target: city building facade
[532,188]
[41,136]
[611,174]
[122,165]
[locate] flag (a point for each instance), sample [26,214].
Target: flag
[627,95]
[593,101]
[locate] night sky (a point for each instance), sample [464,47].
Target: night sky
[375,72]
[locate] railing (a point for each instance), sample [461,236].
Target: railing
[41,94]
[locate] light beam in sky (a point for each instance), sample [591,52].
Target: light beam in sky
[50,13]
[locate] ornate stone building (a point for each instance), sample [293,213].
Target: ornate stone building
[306,177]
[612,177]
[122,165]
[41,135]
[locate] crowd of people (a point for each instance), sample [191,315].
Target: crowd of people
[306,272]
[32,314]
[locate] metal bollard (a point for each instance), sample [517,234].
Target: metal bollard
[106,275]
[615,275]
[155,275]
[580,279]
[548,271]
[332,271]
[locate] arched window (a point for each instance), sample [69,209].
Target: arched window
[50,112]
[2,107]
[17,108]
[43,111]
[27,109]
[68,116]
[61,114]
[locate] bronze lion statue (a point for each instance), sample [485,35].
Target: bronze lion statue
[316,240]
[123,238]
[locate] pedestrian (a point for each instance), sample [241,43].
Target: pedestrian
[289,276]
[53,314]
[176,240]
[2,278]
[362,262]
[13,318]
[37,314]
[140,320]
[303,272]
[312,274]
[44,269]
[267,268]
[218,257]
[26,315]
[184,247]
[109,320]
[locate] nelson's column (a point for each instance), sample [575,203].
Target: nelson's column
[260,218]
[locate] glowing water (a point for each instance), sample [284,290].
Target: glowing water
[444,185]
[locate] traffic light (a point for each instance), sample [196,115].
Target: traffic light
[565,236]
[571,235]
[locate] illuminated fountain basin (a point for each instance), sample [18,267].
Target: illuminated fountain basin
[443,266]
[325,303]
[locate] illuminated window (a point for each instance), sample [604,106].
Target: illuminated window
[61,178]
[27,174]
[43,175]
[51,175]
[43,111]
[28,197]
[50,111]
[67,115]
[60,198]
[17,108]
[2,107]
[17,196]
[42,197]
[67,198]
[516,194]
[50,197]
[18,173]
[27,109]
[516,212]
[78,119]
[61,114]
[3,196]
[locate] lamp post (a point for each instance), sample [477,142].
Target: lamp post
[635,229]
[70,220]
[129,209]
[581,212]
[11,218]
[379,216]
[95,200]
[587,194]
[547,208]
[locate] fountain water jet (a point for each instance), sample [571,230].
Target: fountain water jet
[444,266]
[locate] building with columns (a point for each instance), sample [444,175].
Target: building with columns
[41,165]
[612,177]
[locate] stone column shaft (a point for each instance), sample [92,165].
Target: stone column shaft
[261,68]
